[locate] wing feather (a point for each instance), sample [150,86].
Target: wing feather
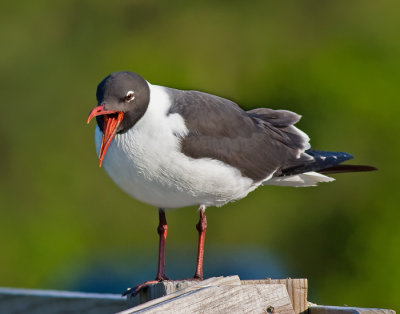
[259,142]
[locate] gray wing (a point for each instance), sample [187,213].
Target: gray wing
[259,142]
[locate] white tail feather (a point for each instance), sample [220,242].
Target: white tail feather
[299,180]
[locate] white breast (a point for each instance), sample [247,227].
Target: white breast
[146,163]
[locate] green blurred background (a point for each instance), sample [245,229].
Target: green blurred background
[65,225]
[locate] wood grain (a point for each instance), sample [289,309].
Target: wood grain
[168,287]
[297,290]
[213,295]
[272,298]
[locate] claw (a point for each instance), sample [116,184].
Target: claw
[135,290]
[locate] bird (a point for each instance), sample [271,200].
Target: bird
[173,148]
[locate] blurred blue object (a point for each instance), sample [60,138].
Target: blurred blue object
[116,274]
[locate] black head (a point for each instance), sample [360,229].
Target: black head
[125,92]
[123,99]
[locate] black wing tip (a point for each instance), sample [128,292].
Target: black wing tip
[326,162]
[369,168]
[347,168]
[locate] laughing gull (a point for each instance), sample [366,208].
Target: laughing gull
[172,148]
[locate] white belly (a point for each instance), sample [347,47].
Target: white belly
[160,175]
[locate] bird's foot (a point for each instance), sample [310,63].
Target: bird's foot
[136,289]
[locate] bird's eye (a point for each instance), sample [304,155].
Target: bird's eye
[129,96]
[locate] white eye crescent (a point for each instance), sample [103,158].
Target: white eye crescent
[129,96]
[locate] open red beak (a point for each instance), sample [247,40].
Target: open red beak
[112,119]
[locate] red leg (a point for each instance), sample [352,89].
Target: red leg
[201,228]
[162,230]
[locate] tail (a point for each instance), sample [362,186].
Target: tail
[327,163]
[312,172]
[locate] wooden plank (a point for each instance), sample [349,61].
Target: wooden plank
[51,301]
[168,287]
[218,294]
[323,309]
[272,298]
[297,290]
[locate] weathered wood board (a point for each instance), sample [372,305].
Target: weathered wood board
[51,301]
[170,286]
[203,298]
[213,295]
[296,288]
